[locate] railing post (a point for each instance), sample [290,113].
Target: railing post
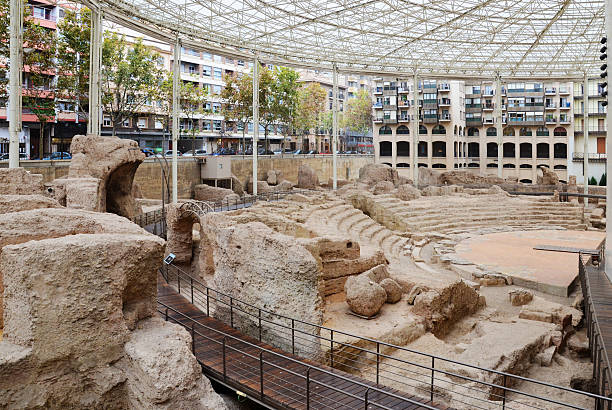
[261,375]
[166,314]
[293,336]
[192,339]
[178,279]
[224,368]
[231,311]
[259,319]
[332,349]
[191,280]
[207,302]
[504,396]
[308,389]
[433,366]
[377,362]
[367,392]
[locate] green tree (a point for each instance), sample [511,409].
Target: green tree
[130,77]
[592,181]
[603,181]
[237,97]
[73,58]
[285,98]
[311,104]
[358,113]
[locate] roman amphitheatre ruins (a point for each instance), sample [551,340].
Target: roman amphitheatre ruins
[430,295]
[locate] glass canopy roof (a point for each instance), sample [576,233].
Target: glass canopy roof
[461,38]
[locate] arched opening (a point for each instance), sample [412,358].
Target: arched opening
[491,132]
[473,132]
[473,150]
[525,132]
[385,148]
[560,132]
[509,166]
[438,166]
[491,150]
[385,130]
[456,129]
[542,150]
[180,234]
[473,165]
[560,150]
[403,149]
[438,149]
[422,130]
[119,198]
[422,148]
[525,166]
[402,130]
[560,167]
[525,181]
[387,163]
[509,132]
[509,150]
[403,165]
[542,132]
[492,165]
[461,130]
[422,165]
[455,151]
[438,130]
[525,150]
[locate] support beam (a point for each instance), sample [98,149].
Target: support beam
[16,63]
[585,128]
[499,125]
[415,130]
[255,119]
[335,128]
[95,64]
[608,251]
[176,101]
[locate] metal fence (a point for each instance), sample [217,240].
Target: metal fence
[463,385]
[602,373]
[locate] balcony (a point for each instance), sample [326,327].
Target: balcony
[445,117]
[378,90]
[430,118]
[594,157]
[473,105]
[563,91]
[405,118]
[488,121]
[391,107]
[488,107]
[444,102]
[404,103]
[566,105]
[488,93]
[551,120]
[551,106]
[378,120]
[403,90]
[565,120]
[550,91]
[444,87]
[389,120]
[377,105]
[473,121]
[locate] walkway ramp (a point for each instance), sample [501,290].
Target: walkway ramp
[268,375]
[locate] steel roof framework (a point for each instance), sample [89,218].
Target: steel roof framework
[437,38]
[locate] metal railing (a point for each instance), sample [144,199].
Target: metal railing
[467,385]
[602,372]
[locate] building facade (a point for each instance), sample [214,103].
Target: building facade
[458,127]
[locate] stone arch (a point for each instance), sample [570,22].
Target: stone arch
[509,132]
[385,130]
[473,132]
[525,132]
[491,132]
[180,221]
[402,130]
[422,130]
[439,130]
[560,132]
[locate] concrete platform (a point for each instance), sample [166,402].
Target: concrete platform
[512,254]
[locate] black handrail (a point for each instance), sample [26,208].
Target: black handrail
[203,295]
[262,350]
[602,372]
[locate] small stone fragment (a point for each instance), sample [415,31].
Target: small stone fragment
[393,290]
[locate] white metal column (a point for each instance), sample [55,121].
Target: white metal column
[498,125]
[176,78]
[585,128]
[255,119]
[95,63]
[16,63]
[335,128]
[415,130]
[608,251]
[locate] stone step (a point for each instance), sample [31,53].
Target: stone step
[380,236]
[355,214]
[446,227]
[368,233]
[363,227]
[341,213]
[356,225]
[485,216]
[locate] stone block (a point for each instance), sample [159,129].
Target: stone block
[18,181]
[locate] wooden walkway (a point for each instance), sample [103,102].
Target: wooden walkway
[236,360]
[601,294]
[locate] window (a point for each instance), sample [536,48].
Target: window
[491,132]
[560,132]
[158,124]
[126,123]
[206,125]
[217,125]
[218,74]
[403,149]
[106,121]
[525,132]
[438,149]
[492,150]
[42,13]
[385,131]
[472,132]
[241,63]
[422,130]
[385,148]
[216,89]
[473,150]
[560,150]
[216,107]
[206,70]
[142,122]
[542,150]
[422,147]
[402,130]
[509,151]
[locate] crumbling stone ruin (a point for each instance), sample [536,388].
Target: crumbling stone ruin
[78,302]
[101,175]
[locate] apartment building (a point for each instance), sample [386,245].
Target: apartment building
[458,127]
[596,126]
[441,122]
[58,131]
